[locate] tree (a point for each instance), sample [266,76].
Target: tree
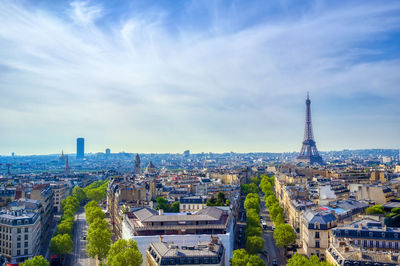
[255,180]
[300,260]
[254,244]
[91,204]
[79,193]
[99,239]
[252,231]
[162,204]
[96,194]
[252,218]
[377,209]
[36,261]
[284,235]
[240,257]
[270,200]
[279,219]
[61,244]
[255,260]
[94,213]
[274,210]
[174,207]
[71,203]
[124,252]
[252,201]
[65,227]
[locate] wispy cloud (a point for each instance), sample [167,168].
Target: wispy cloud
[144,79]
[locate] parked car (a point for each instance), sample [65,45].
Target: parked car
[274,262]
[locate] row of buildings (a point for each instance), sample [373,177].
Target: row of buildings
[326,207]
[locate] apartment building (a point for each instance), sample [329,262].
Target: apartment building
[145,225]
[119,192]
[364,242]
[20,233]
[44,193]
[61,191]
[316,230]
[192,203]
[210,253]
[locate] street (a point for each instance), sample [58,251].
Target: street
[79,256]
[273,251]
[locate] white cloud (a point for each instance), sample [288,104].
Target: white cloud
[136,86]
[84,13]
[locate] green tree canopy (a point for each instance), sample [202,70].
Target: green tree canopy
[274,210]
[91,204]
[252,218]
[252,201]
[255,260]
[240,257]
[94,213]
[36,261]
[124,252]
[284,235]
[300,260]
[99,239]
[65,227]
[174,207]
[252,231]
[377,209]
[79,193]
[254,244]
[270,200]
[61,244]
[162,204]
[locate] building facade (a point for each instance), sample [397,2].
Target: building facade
[20,234]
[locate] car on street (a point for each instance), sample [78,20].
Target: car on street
[274,262]
[264,224]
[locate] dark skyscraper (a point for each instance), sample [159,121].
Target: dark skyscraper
[80,148]
[309,153]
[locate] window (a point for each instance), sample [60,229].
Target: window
[18,245]
[26,251]
[316,234]
[317,244]
[26,244]
[18,230]
[26,237]
[26,229]
[18,252]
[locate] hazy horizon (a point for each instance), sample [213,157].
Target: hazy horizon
[215,76]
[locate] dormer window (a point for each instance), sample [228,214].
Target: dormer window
[371,234]
[316,225]
[396,235]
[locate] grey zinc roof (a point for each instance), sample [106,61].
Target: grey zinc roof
[201,250]
[319,217]
[144,213]
[206,214]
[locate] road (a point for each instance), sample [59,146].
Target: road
[273,251]
[79,256]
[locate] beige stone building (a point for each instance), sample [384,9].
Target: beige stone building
[316,229]
[20,233]
[122,192]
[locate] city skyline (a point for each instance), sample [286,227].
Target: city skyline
[209,77]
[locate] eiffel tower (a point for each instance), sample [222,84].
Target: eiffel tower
[309,153]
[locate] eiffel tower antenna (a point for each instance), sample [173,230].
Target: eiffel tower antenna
[309,153]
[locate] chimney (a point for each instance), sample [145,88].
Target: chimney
[160,212]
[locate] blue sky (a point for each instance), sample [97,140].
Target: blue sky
[220,76]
